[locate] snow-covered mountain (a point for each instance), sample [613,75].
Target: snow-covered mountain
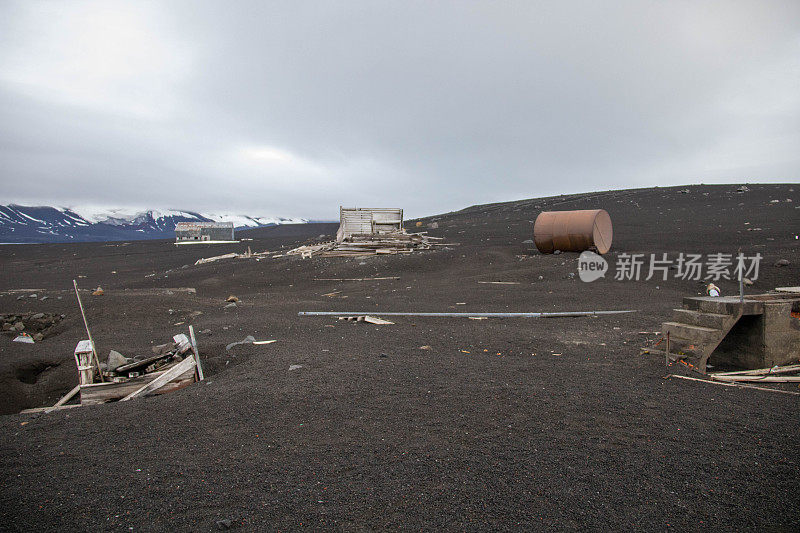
[80,223]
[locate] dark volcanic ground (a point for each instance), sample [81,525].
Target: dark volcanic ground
[502,424]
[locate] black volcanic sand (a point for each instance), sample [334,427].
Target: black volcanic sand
[503,424]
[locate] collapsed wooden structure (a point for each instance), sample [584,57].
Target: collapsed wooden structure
[369,244]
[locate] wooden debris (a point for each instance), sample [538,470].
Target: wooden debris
[366,318]
[740,385]
[761,371]
[368,244]
[64,399]
[215,258]
[196,352]
[763,379]
[175,372]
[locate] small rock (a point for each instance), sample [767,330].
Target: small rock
[37,337]
[43,298]
[225,523]
[98,291]
[557,252]
[20,297]
[295,367]
[115,360]
[426,347]
[782,263]
[37,316]
[232,298]
[34,295]
[433,225]
[19,326]
[7,326]
[383,355]
[528,241]
[230,305]
[206,332]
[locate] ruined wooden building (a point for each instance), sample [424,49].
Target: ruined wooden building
[368,221]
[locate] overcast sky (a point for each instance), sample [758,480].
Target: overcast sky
[293,108]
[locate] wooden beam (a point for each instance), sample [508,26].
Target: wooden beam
[85,323]
[761,371]
[64,399]
[763,379]
[196,354]
[163,379]
[739,385]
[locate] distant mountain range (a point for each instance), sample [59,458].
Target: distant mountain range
[41,224]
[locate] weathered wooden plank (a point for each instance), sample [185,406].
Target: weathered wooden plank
[173,373]
[106,392]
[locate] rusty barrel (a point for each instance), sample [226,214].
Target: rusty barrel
[573,231]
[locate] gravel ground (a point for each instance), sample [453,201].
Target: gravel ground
[523,424]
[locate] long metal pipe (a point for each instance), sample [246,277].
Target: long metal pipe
[467,315]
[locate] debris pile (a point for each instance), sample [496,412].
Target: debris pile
[171,366]
[249,254]
[36,325]
[370,244]
[120,368]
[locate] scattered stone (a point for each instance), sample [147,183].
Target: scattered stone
[116,360]
[98,291]
[34,295]
[528,241]
[295,367]
[225,523]
[20,297]
[43,298]
[232,298]
[557,252]
[426,347]
[206,332]
[7,326]
[433,225]
[19,326]
[782,263]
[230,305]
[37,316]
[37,337]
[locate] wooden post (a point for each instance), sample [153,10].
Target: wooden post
[196,354]
[85,323]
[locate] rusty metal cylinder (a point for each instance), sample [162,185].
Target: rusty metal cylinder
[573,231]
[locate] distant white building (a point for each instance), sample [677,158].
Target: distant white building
[203,231]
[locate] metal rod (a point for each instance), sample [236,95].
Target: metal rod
[85,323]
[467,315]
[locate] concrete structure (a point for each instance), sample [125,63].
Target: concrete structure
[759,332]
[368,221]
[203,231]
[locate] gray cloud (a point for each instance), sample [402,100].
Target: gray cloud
[292,108]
